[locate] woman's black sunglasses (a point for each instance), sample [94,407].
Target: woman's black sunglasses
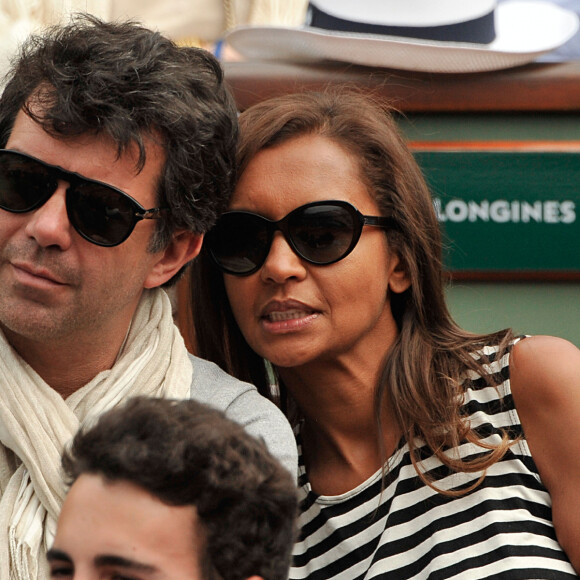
[100,213]
[322,232]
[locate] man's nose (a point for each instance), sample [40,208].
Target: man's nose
[49,224]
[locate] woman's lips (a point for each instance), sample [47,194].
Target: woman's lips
[287,316]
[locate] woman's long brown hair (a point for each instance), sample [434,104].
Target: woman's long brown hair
[424,369]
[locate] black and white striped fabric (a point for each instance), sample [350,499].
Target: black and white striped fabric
[502,530]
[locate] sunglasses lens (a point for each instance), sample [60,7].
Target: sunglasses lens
[100,214]
[239,242]
[322,234]
[24,184]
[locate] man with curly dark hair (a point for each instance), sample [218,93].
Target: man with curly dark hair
[173,489]
[117,154]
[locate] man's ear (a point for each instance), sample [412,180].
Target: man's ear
[399,279]
[183,248]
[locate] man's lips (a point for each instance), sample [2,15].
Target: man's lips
[32,273]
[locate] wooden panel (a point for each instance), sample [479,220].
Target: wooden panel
[534,87]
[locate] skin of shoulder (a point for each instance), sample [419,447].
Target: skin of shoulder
[545,383]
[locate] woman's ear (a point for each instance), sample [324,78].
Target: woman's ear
[399,279]
[183,247]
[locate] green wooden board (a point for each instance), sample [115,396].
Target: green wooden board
[504,211]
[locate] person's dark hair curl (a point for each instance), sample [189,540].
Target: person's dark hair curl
[187,454]
[127,82]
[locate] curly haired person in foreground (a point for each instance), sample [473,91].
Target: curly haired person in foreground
[425,451]
[171,489]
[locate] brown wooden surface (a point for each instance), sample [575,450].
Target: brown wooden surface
[534,87]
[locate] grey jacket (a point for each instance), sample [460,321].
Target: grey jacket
[242,403]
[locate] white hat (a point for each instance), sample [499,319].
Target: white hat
[448,36]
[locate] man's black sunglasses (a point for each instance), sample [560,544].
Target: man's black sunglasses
[100,213]
[322,232]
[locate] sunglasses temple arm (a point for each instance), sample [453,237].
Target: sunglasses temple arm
[380,222]
[151,214]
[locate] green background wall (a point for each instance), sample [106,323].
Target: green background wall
[529,308]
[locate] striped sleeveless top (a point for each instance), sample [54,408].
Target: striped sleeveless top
[501,530]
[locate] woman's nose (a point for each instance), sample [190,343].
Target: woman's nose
[282,263]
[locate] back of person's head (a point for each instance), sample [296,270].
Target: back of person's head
[187,454]
[366,128]
[126,82]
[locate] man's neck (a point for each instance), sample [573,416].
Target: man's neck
[69,364]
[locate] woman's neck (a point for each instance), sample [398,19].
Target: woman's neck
[340,440]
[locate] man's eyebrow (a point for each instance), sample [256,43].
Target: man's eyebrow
[110,560]
[54,554]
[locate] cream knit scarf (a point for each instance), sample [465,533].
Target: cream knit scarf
[36,423]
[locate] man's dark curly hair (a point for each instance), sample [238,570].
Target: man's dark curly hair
[125,81]
[187,454]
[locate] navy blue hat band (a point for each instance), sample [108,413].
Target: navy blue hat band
[478,30]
